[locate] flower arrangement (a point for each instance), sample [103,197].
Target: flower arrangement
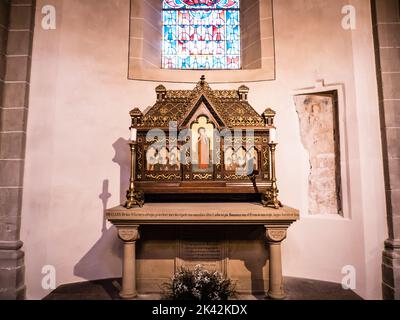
[199,285]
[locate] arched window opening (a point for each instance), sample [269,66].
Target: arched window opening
[201,34]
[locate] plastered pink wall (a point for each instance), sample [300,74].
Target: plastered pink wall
[79,103]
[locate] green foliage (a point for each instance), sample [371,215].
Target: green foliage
[199,285]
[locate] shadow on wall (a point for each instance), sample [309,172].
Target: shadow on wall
[122,158]
[103,260]
[100,261]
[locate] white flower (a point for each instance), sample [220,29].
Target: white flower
[196,293]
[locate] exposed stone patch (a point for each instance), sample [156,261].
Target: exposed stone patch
[317,116]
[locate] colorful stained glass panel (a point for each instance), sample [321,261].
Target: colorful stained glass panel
[201,4]
[201,34]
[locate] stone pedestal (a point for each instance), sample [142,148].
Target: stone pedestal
[203,215]
[275,235]
[129,234]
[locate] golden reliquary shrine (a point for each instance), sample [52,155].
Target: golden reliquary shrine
[203,180]
[204,141]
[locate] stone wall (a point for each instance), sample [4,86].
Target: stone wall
[387,38]
[16,25]
[4,9]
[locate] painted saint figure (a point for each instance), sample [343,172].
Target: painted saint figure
[203,149]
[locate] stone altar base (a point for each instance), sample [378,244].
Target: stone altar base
[241,240]
[238,252]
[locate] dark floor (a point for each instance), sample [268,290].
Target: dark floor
[296,289]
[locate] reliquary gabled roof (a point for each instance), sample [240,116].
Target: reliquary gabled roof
[230,107]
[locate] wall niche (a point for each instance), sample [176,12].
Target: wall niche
[319,130]
[257,46]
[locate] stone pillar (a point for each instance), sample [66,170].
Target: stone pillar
[129,235]
[386,19]
[275,235]
[16,32]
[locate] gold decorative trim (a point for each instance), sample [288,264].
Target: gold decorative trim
[243,140]
[235,177]
[266,162]
[163,176]
[202,176]
[139,162]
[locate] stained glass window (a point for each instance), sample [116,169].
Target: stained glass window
[201,34]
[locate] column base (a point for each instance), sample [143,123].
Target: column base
[276,296]
[127,296]
[12,271]
[391,270]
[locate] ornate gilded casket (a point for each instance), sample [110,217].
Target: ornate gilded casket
[202,142]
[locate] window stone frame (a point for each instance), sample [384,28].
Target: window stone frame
[257,46]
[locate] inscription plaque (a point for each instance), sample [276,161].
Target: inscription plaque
[202,246]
